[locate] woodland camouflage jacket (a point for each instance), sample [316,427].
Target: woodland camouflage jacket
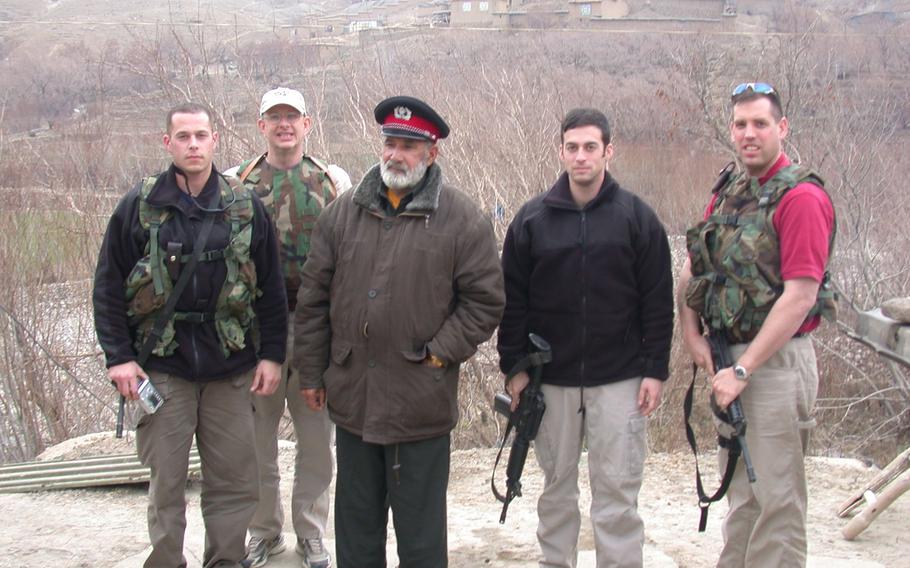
[294,198]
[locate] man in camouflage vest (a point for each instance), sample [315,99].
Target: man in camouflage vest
[204,362]
[294,188]
[756,273]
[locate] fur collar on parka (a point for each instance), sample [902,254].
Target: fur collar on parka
[424,202]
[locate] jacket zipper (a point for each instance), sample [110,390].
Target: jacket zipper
[584,296]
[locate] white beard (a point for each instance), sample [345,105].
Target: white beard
[406,180]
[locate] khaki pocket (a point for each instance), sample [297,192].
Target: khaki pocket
[163,386]
[636,440]
[243,380]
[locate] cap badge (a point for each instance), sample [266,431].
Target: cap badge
[402,113]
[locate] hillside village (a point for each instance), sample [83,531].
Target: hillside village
[328,18]
[639,15]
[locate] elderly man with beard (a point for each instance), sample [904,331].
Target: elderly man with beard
[401,285]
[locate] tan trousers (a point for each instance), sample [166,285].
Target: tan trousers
[313,465]
[766,522]
[616,437]
[220,416]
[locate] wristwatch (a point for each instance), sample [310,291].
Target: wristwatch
[741,373]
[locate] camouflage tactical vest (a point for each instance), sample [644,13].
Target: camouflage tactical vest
[735,256]
[149,283]
[294,199]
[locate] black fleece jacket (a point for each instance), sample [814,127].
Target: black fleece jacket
[199,356]
[595,282]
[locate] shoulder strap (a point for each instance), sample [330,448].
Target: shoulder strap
[726,178]
[233,189]
[319,163]
[251,166]
[146,186]
[148,214]
[785,180]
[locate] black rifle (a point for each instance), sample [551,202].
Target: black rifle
[736,445]
[525,420]
[734,416]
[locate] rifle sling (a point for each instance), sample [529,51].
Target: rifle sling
[733,452]
[499,496]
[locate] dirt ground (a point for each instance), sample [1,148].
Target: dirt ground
[105,527]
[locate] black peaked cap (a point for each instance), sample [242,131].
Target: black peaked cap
[408,117]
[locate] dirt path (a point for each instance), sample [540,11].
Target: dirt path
[105,527]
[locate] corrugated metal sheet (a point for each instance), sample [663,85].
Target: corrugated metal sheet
[86,472]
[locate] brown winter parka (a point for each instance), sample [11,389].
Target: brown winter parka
[380,292]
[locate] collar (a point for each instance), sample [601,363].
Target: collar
[269,166]
[167,193]
[560,196]
[424,200]
[402,202]
[782,162]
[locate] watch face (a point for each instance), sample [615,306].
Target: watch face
[740,372]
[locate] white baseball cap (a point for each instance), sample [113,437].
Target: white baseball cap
[282,96]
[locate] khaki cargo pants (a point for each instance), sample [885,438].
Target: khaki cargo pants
[220,416]
[314,463]
[766,523]
[616,437]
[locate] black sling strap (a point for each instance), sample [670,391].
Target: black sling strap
[733,452]
[165,314]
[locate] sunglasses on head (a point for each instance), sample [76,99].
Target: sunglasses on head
[760,88]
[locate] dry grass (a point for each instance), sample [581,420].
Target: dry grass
[503,94]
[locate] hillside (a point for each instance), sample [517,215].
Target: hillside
[47,25]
